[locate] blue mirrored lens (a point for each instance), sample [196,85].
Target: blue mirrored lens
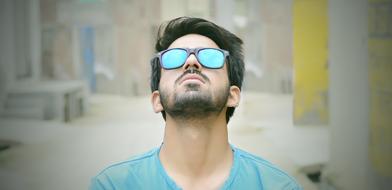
[211,58]
[174,58]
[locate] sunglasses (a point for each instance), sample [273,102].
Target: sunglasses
[174,58]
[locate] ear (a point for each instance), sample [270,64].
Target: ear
[156,102]
[234,96]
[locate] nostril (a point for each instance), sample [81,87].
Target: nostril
[192,62]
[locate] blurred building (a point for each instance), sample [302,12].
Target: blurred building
[109,43]
[105,46]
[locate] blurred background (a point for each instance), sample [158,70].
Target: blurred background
[316,101]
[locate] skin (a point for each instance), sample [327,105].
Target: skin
[195,152]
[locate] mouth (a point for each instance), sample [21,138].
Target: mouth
[192,78]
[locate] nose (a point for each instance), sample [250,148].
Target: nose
[191,61]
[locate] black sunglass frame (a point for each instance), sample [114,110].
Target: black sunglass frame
[189,51]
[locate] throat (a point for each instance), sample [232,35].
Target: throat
[197,152]
[196,165]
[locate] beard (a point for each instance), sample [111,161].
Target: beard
[194,104]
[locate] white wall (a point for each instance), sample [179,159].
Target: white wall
[20,41]
[349,166]
[7,45]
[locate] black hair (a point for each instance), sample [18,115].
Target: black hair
[176,28]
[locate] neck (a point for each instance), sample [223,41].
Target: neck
[196,150]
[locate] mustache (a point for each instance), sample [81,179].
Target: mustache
[193,71]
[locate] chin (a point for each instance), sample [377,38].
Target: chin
[192,85]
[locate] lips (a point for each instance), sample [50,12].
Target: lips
[189,77]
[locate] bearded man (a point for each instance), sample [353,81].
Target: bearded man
[196,81]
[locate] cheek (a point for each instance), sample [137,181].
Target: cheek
[221,76]
[167,78]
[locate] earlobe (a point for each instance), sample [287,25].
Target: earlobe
[156,102]
[234,96]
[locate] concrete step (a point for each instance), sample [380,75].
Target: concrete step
[24,100]
[36,112]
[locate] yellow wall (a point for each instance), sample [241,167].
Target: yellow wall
[310,53]
[380,79]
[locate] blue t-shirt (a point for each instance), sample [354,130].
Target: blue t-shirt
[146,172]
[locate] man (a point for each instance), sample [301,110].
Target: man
[196,83]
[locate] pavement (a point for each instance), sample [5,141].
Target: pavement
[46,155]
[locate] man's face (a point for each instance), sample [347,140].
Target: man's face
[192,91]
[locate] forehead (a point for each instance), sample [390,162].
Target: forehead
[193,41]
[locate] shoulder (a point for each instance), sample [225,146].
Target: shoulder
[267,173]
[134,164]
[130,171]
